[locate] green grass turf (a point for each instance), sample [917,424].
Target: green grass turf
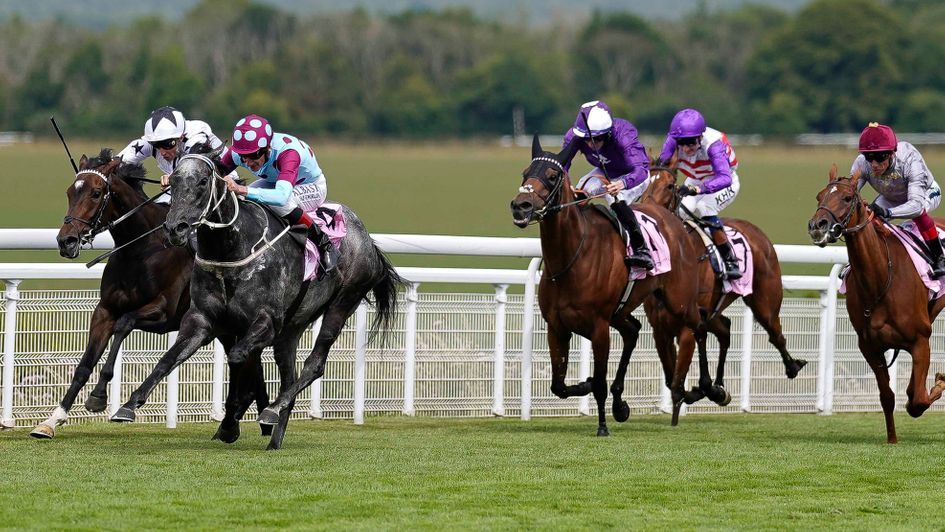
[724,472]
[450,188]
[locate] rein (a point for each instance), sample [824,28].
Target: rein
[213,205]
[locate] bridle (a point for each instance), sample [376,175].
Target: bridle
[839,227]
[93,227]
[214,200]
[553,205]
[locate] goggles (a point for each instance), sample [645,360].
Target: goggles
[167,144]
[255,155]
[877,156]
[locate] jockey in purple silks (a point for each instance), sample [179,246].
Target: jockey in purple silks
[291,182]
[708,161]
[906,186]
[611,145]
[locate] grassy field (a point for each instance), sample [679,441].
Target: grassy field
[800,472]
[450,189]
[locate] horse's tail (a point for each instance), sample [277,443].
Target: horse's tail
[385,297]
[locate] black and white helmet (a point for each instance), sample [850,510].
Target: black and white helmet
[163,124]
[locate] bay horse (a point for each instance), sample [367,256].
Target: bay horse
[764,301]
[585,279]
[144,286]
[248,284]
[886,299]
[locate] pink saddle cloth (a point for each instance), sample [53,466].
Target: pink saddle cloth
[742,249]
[331,219]
[659,249]
[922,267]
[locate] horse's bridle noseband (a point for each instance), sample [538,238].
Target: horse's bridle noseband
[214,202]
[552,200]
[92,226]
[839,227]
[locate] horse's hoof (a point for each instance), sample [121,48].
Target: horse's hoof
[265,430]
[621,411]
[940,379]
[96,404]
[793,369]
[602,431]
[123,415]
[676,408]
[268,417]
[723,398]
[43,432]
[228,435]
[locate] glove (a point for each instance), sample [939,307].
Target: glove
[880,211]
[689,190]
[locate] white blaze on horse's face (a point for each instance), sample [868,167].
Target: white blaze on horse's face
[78,184]
[832,189]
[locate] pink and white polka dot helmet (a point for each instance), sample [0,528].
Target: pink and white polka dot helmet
[252,133]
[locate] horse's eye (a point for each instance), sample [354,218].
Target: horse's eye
[96,194]
[848,198]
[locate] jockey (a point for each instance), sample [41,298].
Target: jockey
[291,182]
[167,136]
[906,187]
[708,161]
[621,168]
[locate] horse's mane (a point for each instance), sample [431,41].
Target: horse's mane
[205,148]
[130,173]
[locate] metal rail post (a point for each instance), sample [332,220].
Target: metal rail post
[498,371]
[410,349]
[173,388]
[528,333]
[360,376]
[12,295]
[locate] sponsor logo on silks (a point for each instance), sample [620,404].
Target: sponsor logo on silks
[602,159]
[724,196]
[891,176]
[935,192]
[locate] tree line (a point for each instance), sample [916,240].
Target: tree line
[832,67]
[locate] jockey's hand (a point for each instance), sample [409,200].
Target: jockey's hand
[615,186]
[165,181]
[689,190]
[880,211]
[233,186]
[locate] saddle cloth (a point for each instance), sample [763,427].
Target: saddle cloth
[656,243]
[331,219]
[746,265]
[917,254]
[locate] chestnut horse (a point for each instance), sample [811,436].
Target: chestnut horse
[585,279]
[886,299]
[764,301]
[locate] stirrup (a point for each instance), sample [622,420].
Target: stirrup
[732,273]
[937,271]
[641,260]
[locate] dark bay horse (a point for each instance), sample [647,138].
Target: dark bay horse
[144,286]
[764,301]
[248,284]
[886,299]
[585,278]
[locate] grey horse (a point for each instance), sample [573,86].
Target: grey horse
[248,283]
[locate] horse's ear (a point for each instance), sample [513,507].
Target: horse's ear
[855,176]
[215,154]
[674,162]
[83,161]
[833,173]
[111,166]
[568,152]
[536,146]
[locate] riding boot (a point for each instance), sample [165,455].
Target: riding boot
[641,255]
[327,252]
[728,255]
[938,261]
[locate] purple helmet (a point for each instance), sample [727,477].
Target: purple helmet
[687,123]
[595,116]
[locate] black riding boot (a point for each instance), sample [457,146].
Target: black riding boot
[327,252]
[641,255]
[938,261]
[728,258]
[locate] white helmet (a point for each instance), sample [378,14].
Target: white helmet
[163,124]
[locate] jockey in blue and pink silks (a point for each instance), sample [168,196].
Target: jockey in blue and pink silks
[906,186]
[612,146]
[291,182]
[708,161]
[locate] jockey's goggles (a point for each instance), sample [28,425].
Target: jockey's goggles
[688,141]
[253,156]
[877,156]
[167,144]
